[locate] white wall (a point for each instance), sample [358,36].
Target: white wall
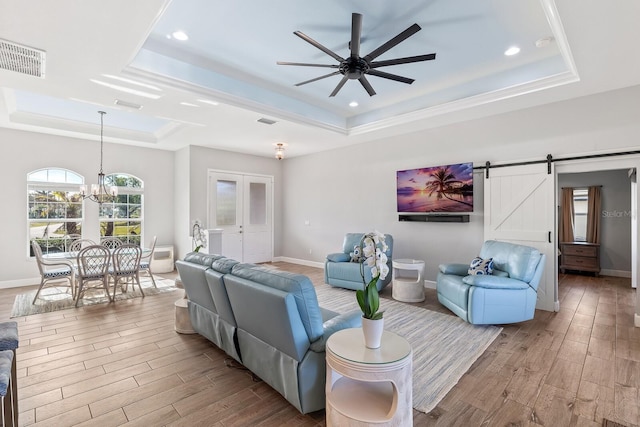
[353,189]
[23,152]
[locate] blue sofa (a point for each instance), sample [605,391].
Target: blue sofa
[340,272]
[266,319]
[506,296]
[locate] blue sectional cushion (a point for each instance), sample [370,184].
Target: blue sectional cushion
[224,265]
[201,258]
[298,285]
[480,266]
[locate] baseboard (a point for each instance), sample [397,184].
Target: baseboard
[19,283]
[299,261]
[430,284]
[615,273]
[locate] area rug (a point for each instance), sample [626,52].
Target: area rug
[444,347]
[59,298]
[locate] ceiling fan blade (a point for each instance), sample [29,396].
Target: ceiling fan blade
[317,78]
[318,45]
[366,85]
[406,60]
[356,30]
[390,76]
[393,42]
[304,64]
[337,89]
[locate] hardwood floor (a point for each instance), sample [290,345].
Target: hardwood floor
[123,364]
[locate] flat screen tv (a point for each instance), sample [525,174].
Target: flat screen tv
[439,189]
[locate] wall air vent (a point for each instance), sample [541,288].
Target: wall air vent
[266,121]
[128,104]
[22,59]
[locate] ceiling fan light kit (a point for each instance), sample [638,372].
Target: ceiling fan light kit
[355,67]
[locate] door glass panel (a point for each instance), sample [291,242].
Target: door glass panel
[226,196]
[257,203]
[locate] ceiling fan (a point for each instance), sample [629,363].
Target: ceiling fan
[355,67]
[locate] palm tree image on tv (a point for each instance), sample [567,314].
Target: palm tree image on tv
[447,188]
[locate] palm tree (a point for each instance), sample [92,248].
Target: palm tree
[443,182]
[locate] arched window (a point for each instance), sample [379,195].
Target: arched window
[54,208]
[123,218]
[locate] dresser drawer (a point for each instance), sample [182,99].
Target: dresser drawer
[580,263]
[586,251]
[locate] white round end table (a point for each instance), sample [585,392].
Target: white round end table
[368,386]
[182,324]
[407,281]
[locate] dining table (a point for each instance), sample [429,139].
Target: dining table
[73,255]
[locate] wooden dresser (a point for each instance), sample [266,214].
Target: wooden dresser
[580,256]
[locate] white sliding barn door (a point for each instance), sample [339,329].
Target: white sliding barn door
[519,207]
[242,206]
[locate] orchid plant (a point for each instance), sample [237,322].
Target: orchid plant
[373,248]
[199,237]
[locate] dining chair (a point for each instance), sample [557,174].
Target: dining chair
[93,268]
[145,261]
[53,271]
[126,262]
[111,242]
[78,244]
[69,239]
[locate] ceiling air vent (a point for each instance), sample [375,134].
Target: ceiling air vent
[128,104]
[266,121]
[22,59]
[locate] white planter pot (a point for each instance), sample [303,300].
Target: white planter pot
[372,330]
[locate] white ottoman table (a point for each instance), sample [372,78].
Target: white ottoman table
[407,280]
[182,323]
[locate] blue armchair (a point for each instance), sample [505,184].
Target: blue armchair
[508,295]
[340,272]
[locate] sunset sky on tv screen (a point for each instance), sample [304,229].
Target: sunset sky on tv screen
[446,188]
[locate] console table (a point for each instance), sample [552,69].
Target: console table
[368,386]
[407,283]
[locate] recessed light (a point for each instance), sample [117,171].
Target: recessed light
[180,35]
[513,50]
[353,104]
[188,104]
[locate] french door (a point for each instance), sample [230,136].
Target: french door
[241,206]
[519,207]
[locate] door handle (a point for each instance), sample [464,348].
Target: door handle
[549,237]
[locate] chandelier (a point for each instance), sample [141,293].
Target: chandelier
[100,193]
[280,150]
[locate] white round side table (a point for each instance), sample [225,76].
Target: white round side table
[406,286]
[182,324]
[368,386]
